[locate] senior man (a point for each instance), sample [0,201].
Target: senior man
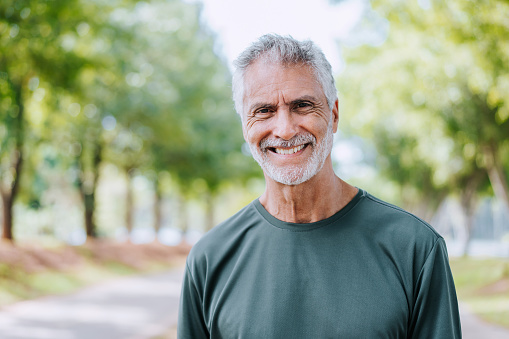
[313,257]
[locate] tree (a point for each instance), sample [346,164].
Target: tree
[32,46]
[137,84]
[177,114]
[438,84]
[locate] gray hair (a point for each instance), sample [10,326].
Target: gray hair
[288,52]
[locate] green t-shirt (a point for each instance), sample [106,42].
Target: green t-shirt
[371,270]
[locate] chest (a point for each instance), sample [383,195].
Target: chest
[309,292]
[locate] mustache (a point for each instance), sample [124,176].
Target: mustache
[299,139]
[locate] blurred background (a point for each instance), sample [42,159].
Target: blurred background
[116,120]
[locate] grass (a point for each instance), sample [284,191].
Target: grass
[28,272]
[21,285]
[484,285]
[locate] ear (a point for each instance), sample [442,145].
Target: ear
[335,115]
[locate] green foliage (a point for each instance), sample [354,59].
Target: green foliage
[136,84]
[433,96]
[180,90]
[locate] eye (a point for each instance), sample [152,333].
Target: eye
[263,112]
[302,105]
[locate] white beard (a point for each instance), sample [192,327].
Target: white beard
[294,174]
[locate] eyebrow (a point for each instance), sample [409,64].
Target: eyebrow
[304,98]
[259,105]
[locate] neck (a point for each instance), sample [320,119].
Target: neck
[316,199]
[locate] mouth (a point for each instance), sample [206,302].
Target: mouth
[287,151]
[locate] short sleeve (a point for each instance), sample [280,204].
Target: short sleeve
[435,314]
[191,324]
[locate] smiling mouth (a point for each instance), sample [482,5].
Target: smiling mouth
[287,151]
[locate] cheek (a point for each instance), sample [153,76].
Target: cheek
[244,132]
[251,136]
[247,130]
[253,133]
[315,126]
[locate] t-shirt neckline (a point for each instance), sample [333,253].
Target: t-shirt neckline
[296,227]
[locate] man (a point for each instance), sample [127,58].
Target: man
[313,257]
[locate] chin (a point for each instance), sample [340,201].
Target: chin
[291,177]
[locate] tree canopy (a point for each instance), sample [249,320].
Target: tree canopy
[135,84]
[433,97]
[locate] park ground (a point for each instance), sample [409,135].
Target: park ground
[483,284]
[28,271]
[32,271]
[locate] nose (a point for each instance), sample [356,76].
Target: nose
[285,125]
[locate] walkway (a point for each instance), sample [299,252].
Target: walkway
[131,308]
[474,328]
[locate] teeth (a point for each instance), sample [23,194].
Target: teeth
[289,150]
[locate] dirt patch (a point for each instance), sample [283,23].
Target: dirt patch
[134,255]
[498,287]
[32,258]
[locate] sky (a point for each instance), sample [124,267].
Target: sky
[237,23]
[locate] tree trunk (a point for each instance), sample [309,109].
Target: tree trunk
[496,174]
[157,207]
[9,196]
[129,203]
[209,215]
[468,204]
[182,214]
[6,216]
[10,193]
[89,202]
[469,223]
[87,185]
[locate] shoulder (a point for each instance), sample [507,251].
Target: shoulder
[396,231]
[407,240]
[389,216]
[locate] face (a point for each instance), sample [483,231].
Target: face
[287,121]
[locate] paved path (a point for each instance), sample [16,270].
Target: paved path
[131,308]
[474,328]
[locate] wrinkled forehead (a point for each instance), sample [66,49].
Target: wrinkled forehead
[263,72]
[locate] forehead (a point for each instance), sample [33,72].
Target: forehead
[265,79]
